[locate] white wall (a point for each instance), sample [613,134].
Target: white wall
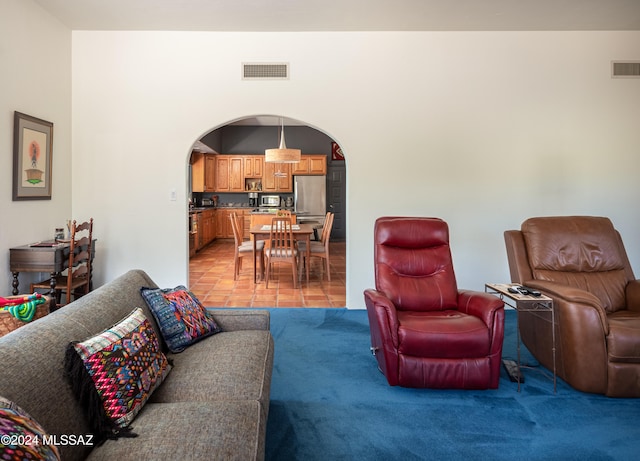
[482,129]
[35,79]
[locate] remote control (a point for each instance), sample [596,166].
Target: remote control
[513,290]
[515,375]
[533,292]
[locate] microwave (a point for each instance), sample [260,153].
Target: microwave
[270,200]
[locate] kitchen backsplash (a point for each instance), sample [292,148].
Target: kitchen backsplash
[240,199]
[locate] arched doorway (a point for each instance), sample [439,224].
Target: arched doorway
[211,266]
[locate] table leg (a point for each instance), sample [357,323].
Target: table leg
[52,284]
[15,283]
[308,255]
[255,251]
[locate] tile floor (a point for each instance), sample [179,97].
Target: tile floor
[211,280]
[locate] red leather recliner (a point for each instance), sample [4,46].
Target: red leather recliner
[424,331]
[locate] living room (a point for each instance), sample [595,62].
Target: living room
[481,128]
[483,116]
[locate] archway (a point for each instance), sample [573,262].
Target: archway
[211,268]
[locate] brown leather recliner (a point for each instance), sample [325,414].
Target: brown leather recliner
[580,262]
[424,331]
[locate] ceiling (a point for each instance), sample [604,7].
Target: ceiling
[346,15]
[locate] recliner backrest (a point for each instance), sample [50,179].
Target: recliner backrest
[585,252]
[413,265]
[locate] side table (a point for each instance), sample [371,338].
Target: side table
[539,305]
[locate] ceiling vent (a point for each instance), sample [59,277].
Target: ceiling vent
[625,69]
[265,71]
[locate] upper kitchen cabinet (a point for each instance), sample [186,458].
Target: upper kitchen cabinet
[203,172]
[253,166]
[311,165]
[277,178]
[229,173]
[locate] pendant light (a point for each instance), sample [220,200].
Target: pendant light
[282,154]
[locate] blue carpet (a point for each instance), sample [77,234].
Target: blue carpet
[330,402]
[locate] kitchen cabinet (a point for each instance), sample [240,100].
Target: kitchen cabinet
[223,221]
[229,173]
[207,226]
[253,166]
[311,165]
[277,177]
[203,172]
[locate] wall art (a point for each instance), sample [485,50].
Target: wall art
[32,157]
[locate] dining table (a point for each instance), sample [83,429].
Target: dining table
[301,232]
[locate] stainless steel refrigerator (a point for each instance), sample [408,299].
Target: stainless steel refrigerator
[310,196]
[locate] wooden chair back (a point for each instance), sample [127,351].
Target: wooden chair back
[326,229]
[235,225]
[281,239]
[79,265]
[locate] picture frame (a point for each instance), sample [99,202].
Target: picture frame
[32,157]
[336,152]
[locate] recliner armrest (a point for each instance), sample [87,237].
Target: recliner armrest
[384,310]
[479,304]
[572,295]
[632,292]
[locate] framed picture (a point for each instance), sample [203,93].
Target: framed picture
[32,154]
[336,152]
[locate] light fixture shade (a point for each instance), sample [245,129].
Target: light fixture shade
[282,154]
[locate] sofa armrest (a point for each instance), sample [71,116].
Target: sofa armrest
[632,292]
[241,319]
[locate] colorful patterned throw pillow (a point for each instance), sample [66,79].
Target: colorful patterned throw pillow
[21,437]
[181,317]
[115,372]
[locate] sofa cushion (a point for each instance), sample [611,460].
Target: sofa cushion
[22,436]
[197,431]
[114,373]
[181,317]
[228,366]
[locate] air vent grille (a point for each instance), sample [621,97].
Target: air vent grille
[626,69]
[265,71]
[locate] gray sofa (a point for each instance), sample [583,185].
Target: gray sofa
[213,404]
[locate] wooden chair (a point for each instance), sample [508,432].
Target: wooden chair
[282,247]
[77,280]
[244,247]
[320,248]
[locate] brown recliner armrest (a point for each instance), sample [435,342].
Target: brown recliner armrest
[573,296]
[632,292]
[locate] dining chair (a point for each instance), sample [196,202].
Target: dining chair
[282,247]
[77,280]
[244,247]
[319,248]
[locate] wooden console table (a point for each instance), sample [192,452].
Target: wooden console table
[47,256]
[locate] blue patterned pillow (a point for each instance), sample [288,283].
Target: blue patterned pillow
[22,437]
[181,317]
[114,373]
